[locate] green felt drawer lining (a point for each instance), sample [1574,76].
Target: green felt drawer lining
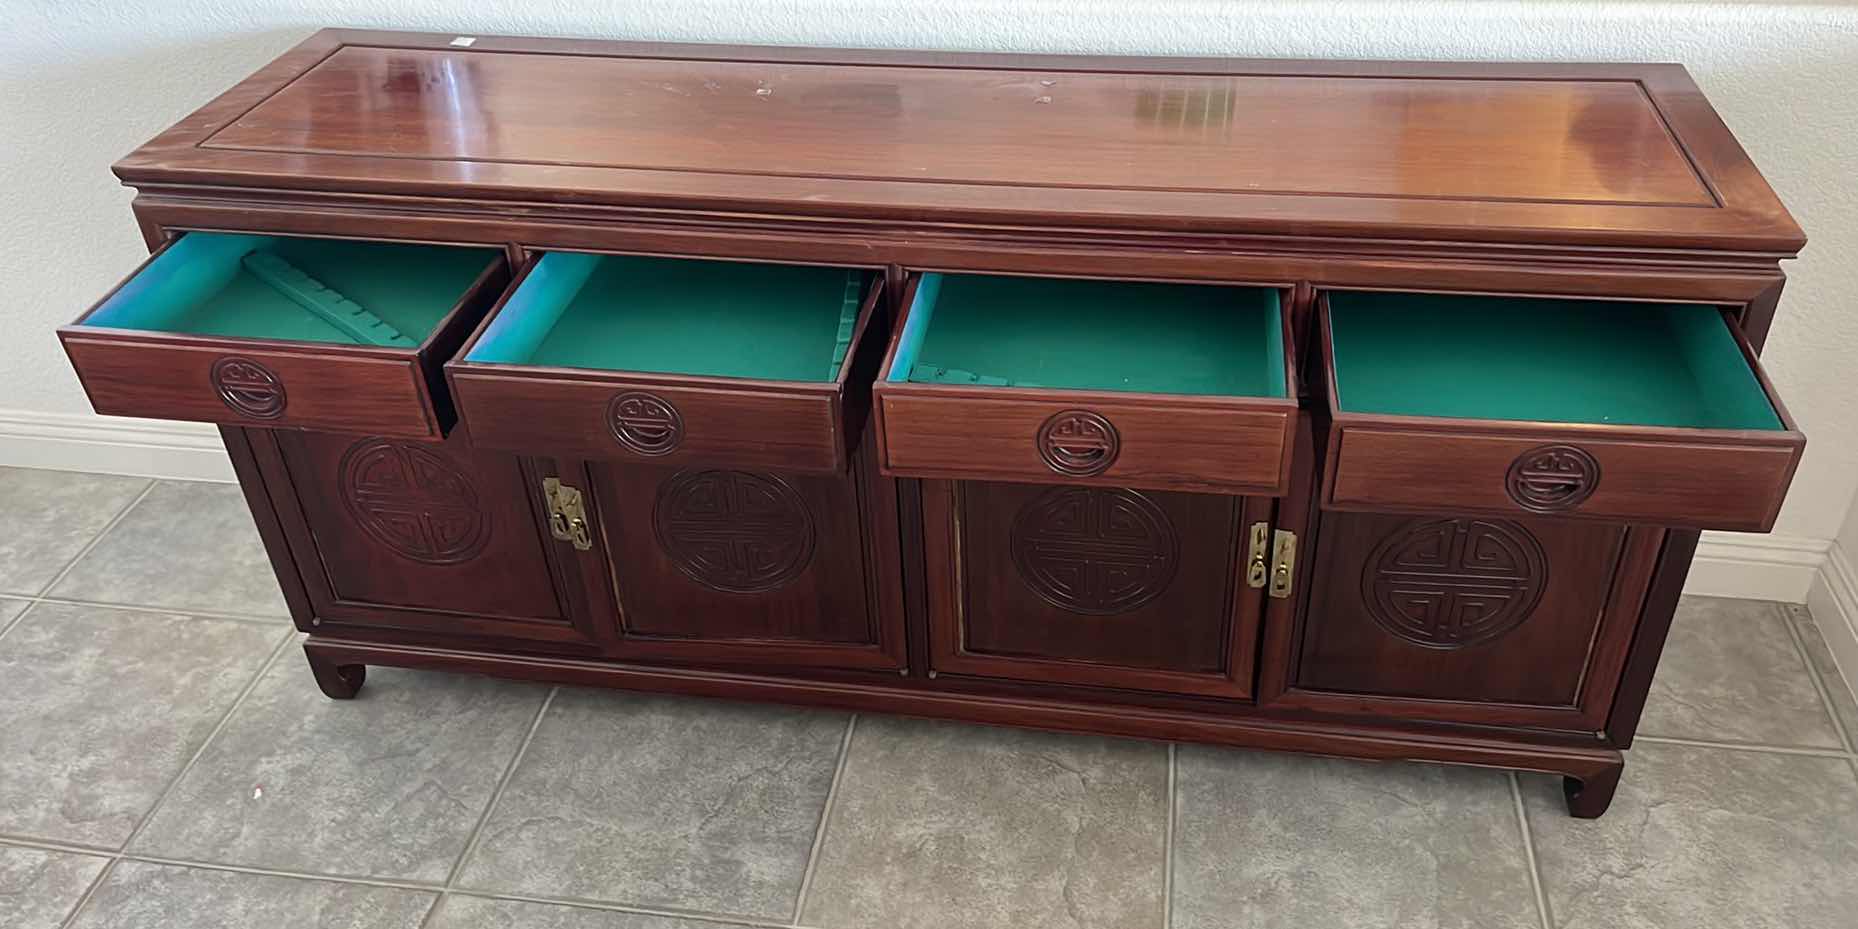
[1132,336]
[1565,361]
[201,285]
[678,316]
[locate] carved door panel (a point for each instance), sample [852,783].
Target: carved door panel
[769,568]
[430,538]
[1471,618]
[1102,586]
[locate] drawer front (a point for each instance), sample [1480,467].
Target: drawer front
[515,393]
[1133,384]
[1469,618]
[1091,586]
[239,385]
[252,330]
[1642,413]
[1671,483]
[1181,444]
[649,421]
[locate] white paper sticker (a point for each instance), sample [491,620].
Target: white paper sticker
[465,41]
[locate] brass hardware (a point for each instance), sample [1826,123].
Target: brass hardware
[1261,542]
[567,516]
[557,523]
[1283,563]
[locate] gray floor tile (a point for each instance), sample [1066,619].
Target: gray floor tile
[388,785]
[1844,706]
[1266,840]
[104,706]
[9,611]
[665,802]
[39,888]
[49,517]
[1705,837]
[949,826]
[138,895]
[1730,672]
[465,912]
[186,546]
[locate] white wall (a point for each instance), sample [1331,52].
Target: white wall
[83,82]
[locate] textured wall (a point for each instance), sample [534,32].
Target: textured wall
[83,82]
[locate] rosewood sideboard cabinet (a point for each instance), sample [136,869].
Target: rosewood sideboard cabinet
[1361,409]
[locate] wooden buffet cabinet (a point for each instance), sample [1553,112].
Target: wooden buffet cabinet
[1365,409]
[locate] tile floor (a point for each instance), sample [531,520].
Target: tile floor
[165,761]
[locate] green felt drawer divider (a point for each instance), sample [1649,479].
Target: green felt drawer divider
[267,287]
[848,323]
[678,316]
[1567,361]
[1057,333]
[323,302]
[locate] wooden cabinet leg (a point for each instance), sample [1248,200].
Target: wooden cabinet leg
[1589,796]
[339,682]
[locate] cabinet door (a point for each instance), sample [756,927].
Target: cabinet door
[720,565]
[1103,586]
[1470,618]
[437,539]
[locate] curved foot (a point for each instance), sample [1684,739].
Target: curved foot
[1589,797]
[339,682]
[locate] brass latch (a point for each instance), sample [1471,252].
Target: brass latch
[1255,555]
[567,516]
[1283,563]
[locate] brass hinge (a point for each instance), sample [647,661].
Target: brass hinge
[567,516]
[1255,569]
[1283,563]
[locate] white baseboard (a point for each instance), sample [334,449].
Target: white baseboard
[1833,601]
[111,445]
[1756,567]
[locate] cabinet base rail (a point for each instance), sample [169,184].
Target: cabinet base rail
[1590,774]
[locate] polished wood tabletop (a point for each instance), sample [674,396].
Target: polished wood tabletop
[1591,154]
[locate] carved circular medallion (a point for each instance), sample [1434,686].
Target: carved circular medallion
[644,423]
[1552,478]
[1449,583]
[734,531]
[248,387]
[413,501]
[1078,443]
[1095,550]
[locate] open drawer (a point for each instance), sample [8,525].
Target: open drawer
[257,330]
[1638,412]
[1116,383]
[672,360]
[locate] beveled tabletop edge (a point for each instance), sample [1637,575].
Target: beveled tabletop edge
[1750,220]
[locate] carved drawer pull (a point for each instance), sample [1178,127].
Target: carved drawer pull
[646,424]
[249,388]
[1552,478]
